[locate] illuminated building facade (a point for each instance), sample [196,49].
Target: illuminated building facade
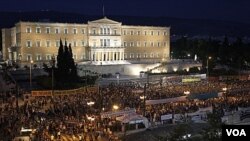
[102,41]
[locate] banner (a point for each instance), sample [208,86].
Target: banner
[168,100]
[166,117]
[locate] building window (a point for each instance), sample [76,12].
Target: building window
[125,55]
[131,55]
[75,56]
[47,30]
[28,43]
[83,43]
[101,42]
[38,57]
[47,43]
[152,55]
[124,32]
[131,44]
[38,30]
[145,44]
[152,32]
[75,44]
[157,55]
[138,43]
[131,32]
[145,32]
[158,33]
[74,31]
[57,43]
[138,55]
[93,31]
[138,32]
[165,33]
[158,44]
[65,30]
[165,44]
[57,30]
[29,57]
[115,32]
[38,43]
[48,56]
[28,30]
[145,55]
[108,31]
[83,31]
[152,44]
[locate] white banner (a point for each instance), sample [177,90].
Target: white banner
[166,117]
[168,100]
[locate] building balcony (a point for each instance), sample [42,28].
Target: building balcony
[98,34]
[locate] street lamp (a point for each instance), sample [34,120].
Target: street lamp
[115,107]
[31,62]
[208,58]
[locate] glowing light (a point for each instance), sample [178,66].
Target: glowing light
[175,69]
[142,97]
[186,92]
[224,89]
[90,103]
[115,107]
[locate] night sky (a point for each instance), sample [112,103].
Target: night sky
[232,10]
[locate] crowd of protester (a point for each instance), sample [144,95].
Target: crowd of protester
[73,115]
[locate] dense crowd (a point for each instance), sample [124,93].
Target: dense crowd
[73,115]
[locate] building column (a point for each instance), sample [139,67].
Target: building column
[102,56]
[113,53]
[120,55]
[91,55]
[95,56]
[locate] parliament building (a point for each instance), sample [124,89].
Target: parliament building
[98,42]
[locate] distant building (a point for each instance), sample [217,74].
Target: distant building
[100,41]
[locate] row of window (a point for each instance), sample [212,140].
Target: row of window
[57,30]
[142,55]
[146,32]
[47,57]
[145,44]
[102,31]
[48,43]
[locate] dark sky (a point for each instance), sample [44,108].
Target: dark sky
[233,10]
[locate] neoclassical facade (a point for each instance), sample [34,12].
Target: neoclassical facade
[102,41]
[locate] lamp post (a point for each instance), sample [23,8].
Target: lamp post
[208,58]
[31,62]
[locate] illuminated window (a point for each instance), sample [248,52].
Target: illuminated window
[57,43]
[38,57]
[48,56]
[83,31]
[83,43]
[47,30]
[131,55]
[125,44]
[75,56]
[29,57]
[152,44]
[47,43]
[28,30]
[65,30]
[38,43]
[38,30]
[57,30]
[74,31]
[75,44]
[138,43]
[28,43]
